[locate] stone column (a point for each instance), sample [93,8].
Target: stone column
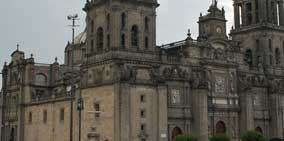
[244,13]
[246,114]
[237,16]
[200,113]
[253,4]
[281,13]
[275,115]
[263,9]
[269,13]
[162,113]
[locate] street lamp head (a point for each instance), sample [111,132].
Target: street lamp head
[69,17]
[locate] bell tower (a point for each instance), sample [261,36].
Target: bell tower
[259,29]
[253,12]
[213,24]
[259,26]
[120,24]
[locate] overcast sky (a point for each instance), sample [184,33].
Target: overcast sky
[40,26]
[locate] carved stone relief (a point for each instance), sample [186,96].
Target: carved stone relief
[220,84]
[175,96]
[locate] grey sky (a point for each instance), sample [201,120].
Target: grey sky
[40,26]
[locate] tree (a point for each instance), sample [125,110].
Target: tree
[253,136]
[188,137]
[220,137]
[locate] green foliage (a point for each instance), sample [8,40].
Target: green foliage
[185,137]
[253,136]
[220,137]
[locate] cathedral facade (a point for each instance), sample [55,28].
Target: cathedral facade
[123,87]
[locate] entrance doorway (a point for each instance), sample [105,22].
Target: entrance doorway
[175,132]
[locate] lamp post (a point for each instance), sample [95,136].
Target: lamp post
[80,107]
[73,18]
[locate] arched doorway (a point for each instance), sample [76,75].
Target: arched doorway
[12,135]
[175,132]
[220,127]
[258,129]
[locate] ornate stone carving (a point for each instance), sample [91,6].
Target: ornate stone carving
[155,75]
[244,82]
[219,84]
[232,82]
[219,54]
[98,75]
[274,86]
[199,80]
[127,73]
[175,73]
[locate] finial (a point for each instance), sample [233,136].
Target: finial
[18,46]
[5,63]
[188,33]
[32,56]
[216,3]
[56,59]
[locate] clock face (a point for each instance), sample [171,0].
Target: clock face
[219,30]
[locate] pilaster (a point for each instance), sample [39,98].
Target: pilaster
[246,115]
[200,116]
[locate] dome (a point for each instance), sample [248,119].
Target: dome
[81,38]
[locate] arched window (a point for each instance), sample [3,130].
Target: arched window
[123,21]
[258,129]
[220,127]
[122,40]
[270,51]
[175,132]
[146,23]
[108,41]
[146,42]
[12,134]
[248,56]
[92,26]
[92,46]
[277,56]
[100,38]
[134,36]
[41,80]
[108,21]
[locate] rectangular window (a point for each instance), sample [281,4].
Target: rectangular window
[44,116]
[146,42]
[97,110]
[257,45]
[142,98]
[142,113]
[143,127]
[61,115]
[30,117]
